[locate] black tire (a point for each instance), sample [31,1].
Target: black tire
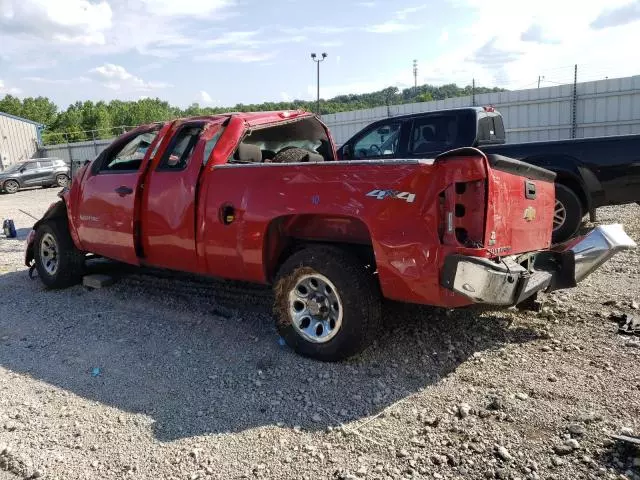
[356,289]
[567,199]
[62,180]
[291,155]
[11,186]
[70,260]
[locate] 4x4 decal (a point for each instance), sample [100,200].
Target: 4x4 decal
[382,194]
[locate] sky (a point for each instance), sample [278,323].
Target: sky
[224,52]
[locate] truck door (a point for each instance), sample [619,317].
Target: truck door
[169,208]
[106,203]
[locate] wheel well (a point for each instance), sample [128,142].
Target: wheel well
[575,186]
[288,235]
[56,210]
[9,179]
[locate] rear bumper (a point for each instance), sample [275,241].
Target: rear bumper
[508,282]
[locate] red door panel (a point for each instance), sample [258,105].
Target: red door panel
[169,207]
[168,222]
[106,217]
[106,203]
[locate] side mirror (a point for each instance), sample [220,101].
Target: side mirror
[22,170]
[384,131]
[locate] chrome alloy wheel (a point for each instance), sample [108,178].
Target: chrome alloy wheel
[559,215]
[49,253]
[315,308]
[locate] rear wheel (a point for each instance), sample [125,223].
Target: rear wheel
[59,263]
[327,303]
[62,180]
[11,186]
[567,215]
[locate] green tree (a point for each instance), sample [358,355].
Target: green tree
[11,105]
[86,120]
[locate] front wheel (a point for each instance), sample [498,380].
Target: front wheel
[62,180]
[567,215]
[59,263]
[11,186]
[327,303]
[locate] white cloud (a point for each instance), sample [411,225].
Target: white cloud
[236,55]
[444,36]
[319,29]
[500,57]
[285,97]
[4,90]
[331,44]
[614,17]
[405,12]
[116,77]
[390,27]
[194,8]
[231,38]
[535,33]
[58,81]
[205,97]
[61,21]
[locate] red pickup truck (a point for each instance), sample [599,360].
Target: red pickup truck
[261,197]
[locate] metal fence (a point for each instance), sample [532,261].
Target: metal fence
[591,109]
[75,152]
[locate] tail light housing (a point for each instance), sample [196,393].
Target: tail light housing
[462,214]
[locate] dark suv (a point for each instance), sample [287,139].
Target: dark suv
[41,172]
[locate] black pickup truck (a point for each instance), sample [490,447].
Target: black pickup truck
[591,172]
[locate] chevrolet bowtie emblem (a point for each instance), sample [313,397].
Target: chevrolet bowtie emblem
[530,214]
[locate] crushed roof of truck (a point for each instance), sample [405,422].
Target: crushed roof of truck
[254,118]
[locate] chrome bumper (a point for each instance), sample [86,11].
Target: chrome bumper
[508,283]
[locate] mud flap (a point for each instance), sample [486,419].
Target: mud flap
[32,269]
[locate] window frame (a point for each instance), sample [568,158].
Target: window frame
[215,138]
[114,149]
[161,167]
[25,166]
[401,139]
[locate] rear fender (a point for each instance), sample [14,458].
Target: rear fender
[286,234]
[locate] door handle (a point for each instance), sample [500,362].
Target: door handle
[123,191]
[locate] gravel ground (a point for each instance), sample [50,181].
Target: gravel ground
[183,378]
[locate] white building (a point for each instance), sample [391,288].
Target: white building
[19,139]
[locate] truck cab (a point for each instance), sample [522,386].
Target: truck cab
[426,135]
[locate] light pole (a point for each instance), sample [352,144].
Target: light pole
[315,58]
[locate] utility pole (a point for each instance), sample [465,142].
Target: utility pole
[415,76]
[540,77]
[473,92]
[318,61]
